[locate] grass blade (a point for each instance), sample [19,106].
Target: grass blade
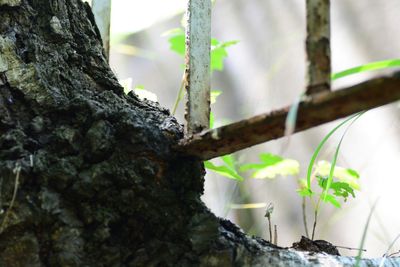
[319,147]
[388,250]
[364,236]
[367,67]
[333,163]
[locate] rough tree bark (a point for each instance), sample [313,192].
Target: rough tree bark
[88,175]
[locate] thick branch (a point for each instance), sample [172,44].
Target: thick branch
[321,108]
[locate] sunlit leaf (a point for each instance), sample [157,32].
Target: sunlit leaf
[176,40]
[270,159]
[213,95]
[223,170]
[348,176]
[332,199]
[267,159]
[229,160]
[305,192]
[219,53]
[284,167]
[271,166]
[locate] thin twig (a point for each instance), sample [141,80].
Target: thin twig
[316,211]
[303,208]
[17,171]
[275,235]
[349,248]
[270,229]
[179,96]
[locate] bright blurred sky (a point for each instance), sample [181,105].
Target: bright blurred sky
[135,15]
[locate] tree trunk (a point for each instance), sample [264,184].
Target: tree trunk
[88,175]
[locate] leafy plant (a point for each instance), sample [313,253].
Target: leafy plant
[331,191]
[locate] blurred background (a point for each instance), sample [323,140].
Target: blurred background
[265,71]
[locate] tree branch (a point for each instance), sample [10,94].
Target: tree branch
[320,108]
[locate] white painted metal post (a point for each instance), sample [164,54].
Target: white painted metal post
[102,14]
[318,46]
[197,73]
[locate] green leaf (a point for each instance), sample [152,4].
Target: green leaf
[353,173]
[219,53]
[305,192]
[212,119]
[176,40]
[319,147]
[367,67]
[217,58]
[271,166]
[343,190]
[270,159]
[229,161]
[332,199]
[213,95]
[283,168]
[223,170]
[348,176]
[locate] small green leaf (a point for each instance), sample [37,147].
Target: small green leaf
[176,40]
[223,170]
[217,58]
[229,161]
[332,199]
[348,176]
[284,168]
[213,95]
[353,173]
[271,166]
[219,53]
[305,192]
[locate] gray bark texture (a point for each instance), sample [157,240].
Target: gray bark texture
[88,175]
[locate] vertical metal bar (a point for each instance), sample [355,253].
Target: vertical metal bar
[318,46]
[197,73]
[102,14]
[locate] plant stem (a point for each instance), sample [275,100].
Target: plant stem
[276,235]
[303,207]
[270,229]
[179,96]
[316,211]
